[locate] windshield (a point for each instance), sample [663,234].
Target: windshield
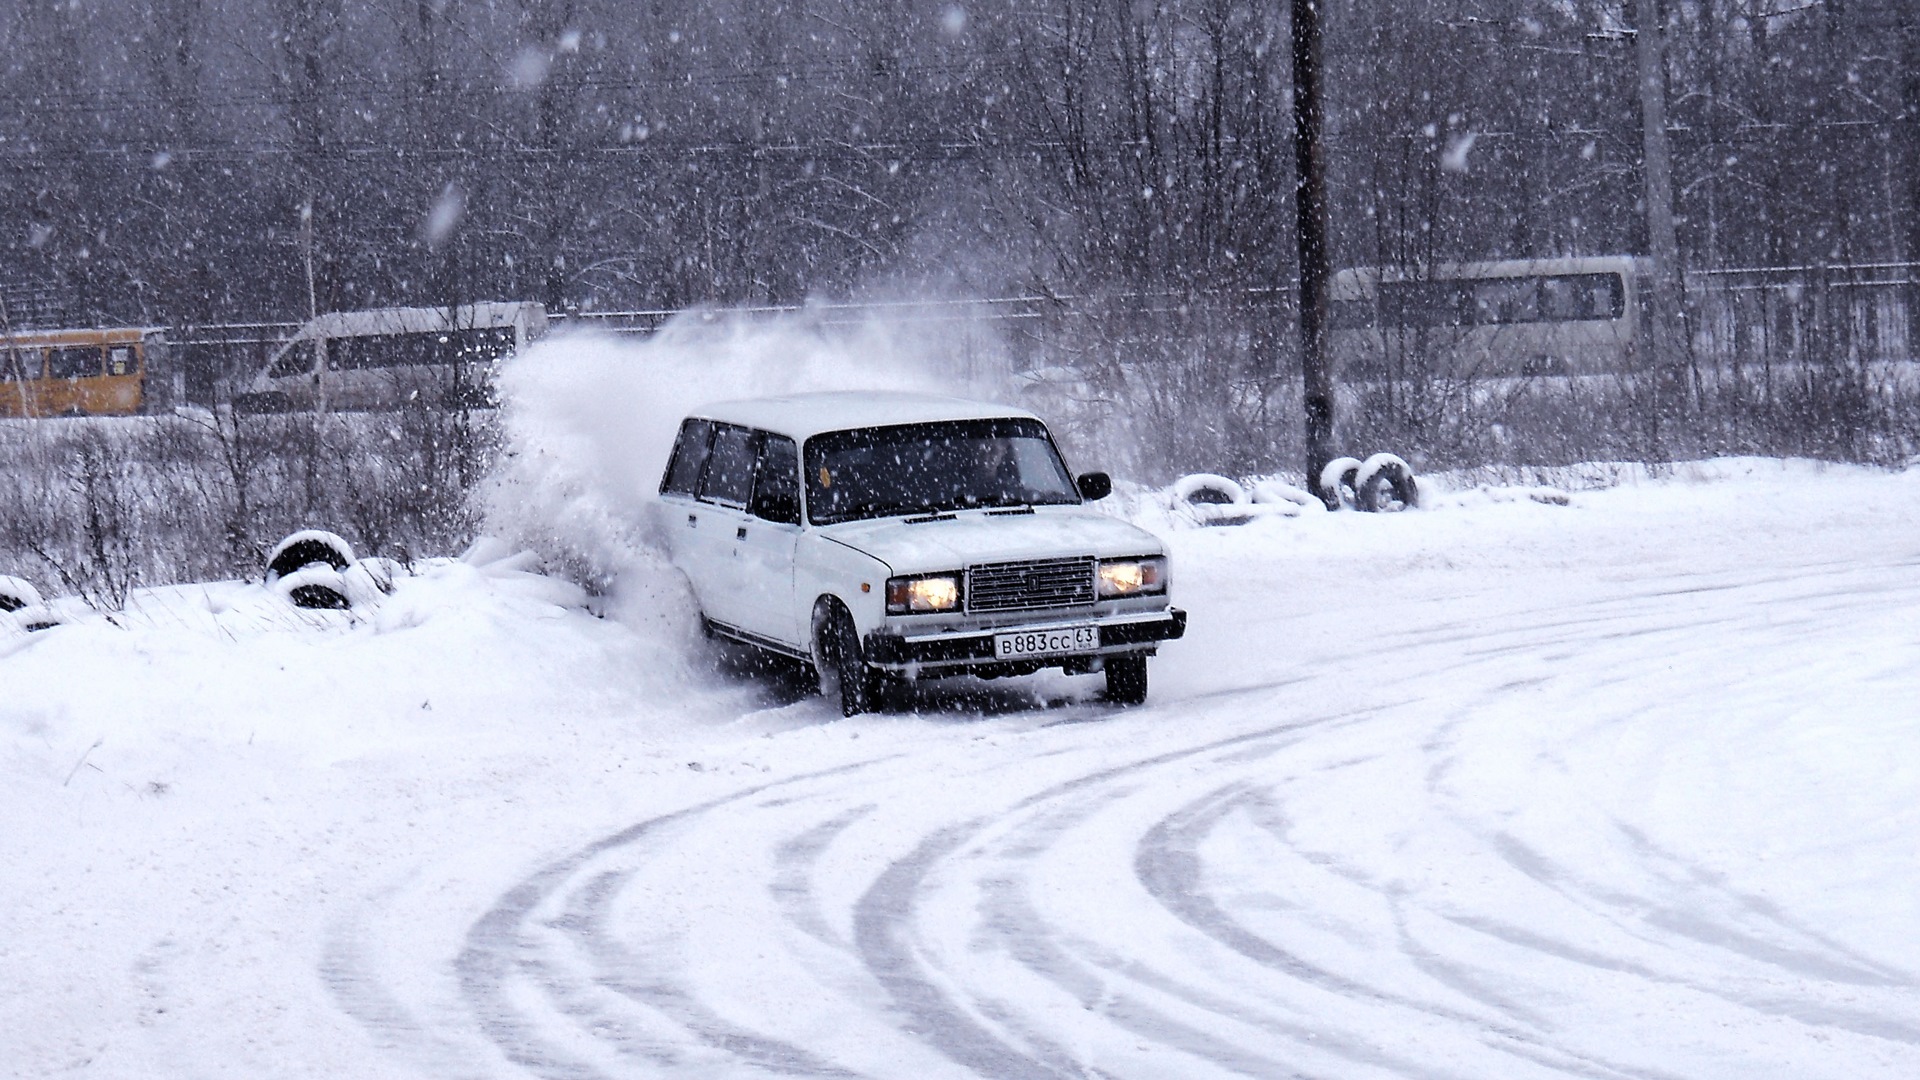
[924,468]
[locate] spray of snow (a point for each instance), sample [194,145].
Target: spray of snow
[529,68]
[444,216]
[590,420]
[1455,159]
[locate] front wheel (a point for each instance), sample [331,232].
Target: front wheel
[836,656]
[1126,679]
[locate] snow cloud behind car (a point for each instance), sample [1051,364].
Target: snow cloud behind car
[589,420]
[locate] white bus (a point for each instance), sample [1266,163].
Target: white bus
[1504,319]
[390,358]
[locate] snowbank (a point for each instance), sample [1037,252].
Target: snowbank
[1627,781]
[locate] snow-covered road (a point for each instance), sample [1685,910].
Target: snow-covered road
[1627,788]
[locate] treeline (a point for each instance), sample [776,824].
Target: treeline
[182,162]
[175,161]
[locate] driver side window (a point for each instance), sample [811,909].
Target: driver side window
[776,481]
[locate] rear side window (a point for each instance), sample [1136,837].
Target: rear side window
[689,458]
[729,466]
[776,481]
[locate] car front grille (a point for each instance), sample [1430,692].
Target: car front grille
[1033,585]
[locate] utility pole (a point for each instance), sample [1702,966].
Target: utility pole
[1910,157]
[1663,244]
[1310,231]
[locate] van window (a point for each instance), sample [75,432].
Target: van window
[297,360]
[689,458]
[418,348]
[776,481]
[729,467]
[380,351]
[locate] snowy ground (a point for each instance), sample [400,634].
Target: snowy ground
[1629,787]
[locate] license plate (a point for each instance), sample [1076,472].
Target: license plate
[1069,639]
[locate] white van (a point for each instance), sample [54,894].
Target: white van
[389,358]
[904,536]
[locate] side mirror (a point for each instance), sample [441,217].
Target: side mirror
[1094,486]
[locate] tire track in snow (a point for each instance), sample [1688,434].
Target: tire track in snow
[885,916]
[500,943]
[555,1014]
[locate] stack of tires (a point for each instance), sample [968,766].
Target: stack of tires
[21,607]
[1381,483]
[316,569]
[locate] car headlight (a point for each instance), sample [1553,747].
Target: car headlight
[1133,577]
[929,592]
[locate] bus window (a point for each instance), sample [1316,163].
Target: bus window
[120,361]
[1561,299]
[18,364]
[83,362]
[1425,303]
[1606,296]
[1506,300]
[1577,297]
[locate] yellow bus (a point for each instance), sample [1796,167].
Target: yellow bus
[118,372]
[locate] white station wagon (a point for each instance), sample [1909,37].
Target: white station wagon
[890,536]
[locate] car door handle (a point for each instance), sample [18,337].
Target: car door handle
[741,533]
[693,520]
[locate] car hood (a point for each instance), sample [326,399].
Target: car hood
[918,545]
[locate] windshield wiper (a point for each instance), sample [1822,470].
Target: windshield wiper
[862,511]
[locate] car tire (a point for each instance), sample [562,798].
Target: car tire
[843,672]
[1126,679]
[305,548]
[1337,482]
[1385,482]
[1207,489]
[17,594]
[1209,499]
[1285,498]
[317,587]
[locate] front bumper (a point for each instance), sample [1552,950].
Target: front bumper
[951,651]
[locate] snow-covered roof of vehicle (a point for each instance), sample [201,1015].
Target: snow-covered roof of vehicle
[414,320]
[802,415]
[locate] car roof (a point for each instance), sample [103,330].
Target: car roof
[800,416]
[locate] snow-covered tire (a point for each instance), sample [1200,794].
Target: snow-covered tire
[305,548]
[368,581]
[1207,489]
[1209,499]
[1286,499]
[1338,480]
[316,586]
[37,618]
[17,593]
[1385,482]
